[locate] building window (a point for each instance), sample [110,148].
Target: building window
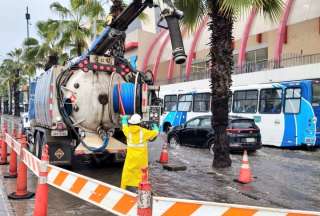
[293,99]
[201,102]
[245,101]
[257,55]
[256,60]
[270,101]
[170,103]
[185,103]
[199,70]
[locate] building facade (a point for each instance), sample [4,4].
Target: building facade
[259,44]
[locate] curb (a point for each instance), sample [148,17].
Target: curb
[6,207]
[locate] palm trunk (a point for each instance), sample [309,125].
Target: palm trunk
[10,98]
[6,107]
[221,65]
[16,94]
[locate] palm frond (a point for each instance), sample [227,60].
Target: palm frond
[194,12]
[59,9]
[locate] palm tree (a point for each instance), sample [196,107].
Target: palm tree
[74,28]
[37,54]
[16,57]
[7,76]
[222,14]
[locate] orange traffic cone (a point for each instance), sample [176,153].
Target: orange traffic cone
[41,201]
[22,180]
[164,157]
[245,172]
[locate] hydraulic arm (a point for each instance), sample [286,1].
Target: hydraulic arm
[116,30]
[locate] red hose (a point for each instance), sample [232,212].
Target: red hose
[120,100]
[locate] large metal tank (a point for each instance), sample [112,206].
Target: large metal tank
[90,95]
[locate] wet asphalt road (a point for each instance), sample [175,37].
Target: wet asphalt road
[284,179]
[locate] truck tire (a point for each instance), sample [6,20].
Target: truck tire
[38,145]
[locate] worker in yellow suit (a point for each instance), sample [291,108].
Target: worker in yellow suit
[137,150]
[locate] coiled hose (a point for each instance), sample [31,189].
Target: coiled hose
[123,98]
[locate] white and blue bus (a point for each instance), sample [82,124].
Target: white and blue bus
[286,112]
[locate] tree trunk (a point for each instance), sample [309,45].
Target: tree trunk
[10,98]
[16,94]
[6,107]
[221,66]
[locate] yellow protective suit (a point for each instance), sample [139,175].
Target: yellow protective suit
[137,154]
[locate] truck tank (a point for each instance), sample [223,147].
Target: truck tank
[90,97]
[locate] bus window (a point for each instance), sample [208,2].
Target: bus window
[170,103]
[292,102]
[201,102]
[270,101]
[316,93]
[245,101]
[185,103]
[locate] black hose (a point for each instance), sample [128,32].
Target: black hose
[61,80]
[178,52]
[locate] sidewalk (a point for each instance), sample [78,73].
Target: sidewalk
[5,206]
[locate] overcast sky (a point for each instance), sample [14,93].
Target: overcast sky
[13,23]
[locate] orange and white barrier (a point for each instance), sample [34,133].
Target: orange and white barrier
[32,162]
[163,206]
[106,196]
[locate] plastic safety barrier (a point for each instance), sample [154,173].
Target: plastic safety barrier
[28,158]
[163,206]
[108,197]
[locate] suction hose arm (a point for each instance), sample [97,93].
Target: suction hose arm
[172,16]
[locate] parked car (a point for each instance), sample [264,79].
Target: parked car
[243,133]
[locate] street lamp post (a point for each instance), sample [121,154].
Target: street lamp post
[28,18]
[27,15]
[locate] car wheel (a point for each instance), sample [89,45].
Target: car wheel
[211,146]
[173,141]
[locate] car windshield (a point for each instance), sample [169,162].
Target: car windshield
[242,124]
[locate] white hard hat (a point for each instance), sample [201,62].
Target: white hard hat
[135,119]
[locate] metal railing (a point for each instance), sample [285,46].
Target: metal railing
[287,60]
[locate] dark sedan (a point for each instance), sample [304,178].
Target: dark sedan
[243,133]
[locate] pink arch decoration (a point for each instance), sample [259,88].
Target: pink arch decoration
[159,55]
[245,36]
[170,69]
[151,48]
[193,46]
[281,31]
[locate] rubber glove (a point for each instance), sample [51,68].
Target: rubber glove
[124,119]
[155,127]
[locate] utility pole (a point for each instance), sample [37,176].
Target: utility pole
[28,18]
[28,36]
